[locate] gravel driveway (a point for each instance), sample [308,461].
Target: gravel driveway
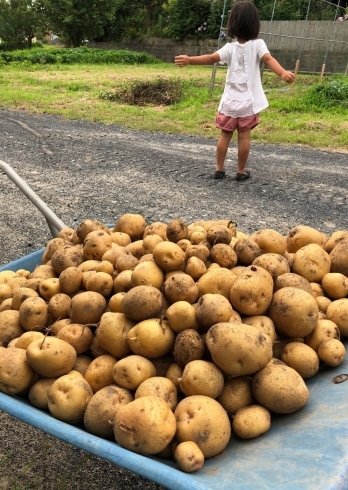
[89,170]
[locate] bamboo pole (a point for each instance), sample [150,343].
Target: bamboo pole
[297,66]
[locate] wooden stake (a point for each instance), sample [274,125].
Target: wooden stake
[322,72]
[346,72]
[296,70]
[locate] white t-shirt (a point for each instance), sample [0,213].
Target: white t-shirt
[243,94]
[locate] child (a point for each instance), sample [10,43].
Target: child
[243,96]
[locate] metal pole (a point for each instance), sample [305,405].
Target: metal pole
[212,81]
[328,43]
[297,66]
[54,223]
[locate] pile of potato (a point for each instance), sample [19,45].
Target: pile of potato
[171,339]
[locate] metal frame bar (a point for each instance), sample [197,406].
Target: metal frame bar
[54,223]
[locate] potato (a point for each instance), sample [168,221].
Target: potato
[16,281]
[82,362]
[6,305]
[337,312]
[27,338]
[85,227]
[70,280]
[20,294]
[201,378]
[5,292]
[280,389]
[68,398]
[218,233]
[33,313]
[224,255]
[199,414]
[252,421]
[188,457]
[270,241]
[236,394]
[246,250]
[78,335]
[339,257]
[280,343]
[120,238]
[159,386]
[132,370]
[57,325]
[100,282]
[294,312]
[87,307]
[176,230]
[53,245]
[10,326]
[323,302]
[156,228]
[335,285]
[38,394]
[59,306]
[317,289]
[66,233]
[335,239]
[51,357]
[16,374]
[151,338]
[211,309]
[263,323]
[125,262]
[100,411]
[45,271]
[303,235]
[216,281]
[195,268]
[290,279]
[132,224]
[200,251]
[251,292]
[274,263]
[65,257]
[189,346]
[332,352]
[168,255]
[123,282]
[238,349]
[5,276]
[302,358]
[95,244]
[142,302]
[99,372]
[311,262]
[180,287]
[147,273]
[325,329]
[115,302]
[181,315]
[136,420]
[112,334]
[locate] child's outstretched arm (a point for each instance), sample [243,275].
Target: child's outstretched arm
[205,59]
[273,65]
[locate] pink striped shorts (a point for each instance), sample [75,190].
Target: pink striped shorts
[231,124]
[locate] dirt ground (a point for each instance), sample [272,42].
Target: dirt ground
[89,170]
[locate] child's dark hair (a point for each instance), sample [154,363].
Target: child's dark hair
[244,21]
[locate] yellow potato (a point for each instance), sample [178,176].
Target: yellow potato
[132,224]
[64,257]
[147,273]
[142,302]
[216,281]
[275,264]
[337,312]
[100,282]
[99,372]
[311,262]
[181,315]
[68,398]
[10,326]
[159,386]
[324,329]
[252,421]
[151,338]
[95,244]
[136,420]
[189,345]
[112,334]
[196,412]
[123,282]
[332,352]
[180,287]
[27,338]
[303,235]
[120,238]
[20,294]
[87,307]
[132,370]
[51,357]
[38,394]
[33,313]
[16,374]
[168,255]
[188,457]
[78,335]
[85,227]
[59,306]
[176,230]
[263,323]
[236,393]
[302,358]
[211,309]
[335,285]
[270,241]
[246,250]
[202,378]
[100,411]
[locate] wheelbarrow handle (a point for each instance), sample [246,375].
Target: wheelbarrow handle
[54,223]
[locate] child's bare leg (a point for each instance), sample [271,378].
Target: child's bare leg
[221,149]
[243,149]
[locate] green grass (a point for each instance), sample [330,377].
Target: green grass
[297,114]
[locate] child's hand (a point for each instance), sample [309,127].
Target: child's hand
[182,60]
[288,76]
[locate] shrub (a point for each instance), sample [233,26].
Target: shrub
[328,94]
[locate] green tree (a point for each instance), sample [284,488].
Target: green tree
[77,20]
[187,19]
[19,22]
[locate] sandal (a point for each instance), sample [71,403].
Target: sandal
[219,174]
[244,176]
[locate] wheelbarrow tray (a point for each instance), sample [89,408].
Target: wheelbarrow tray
[306,450]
